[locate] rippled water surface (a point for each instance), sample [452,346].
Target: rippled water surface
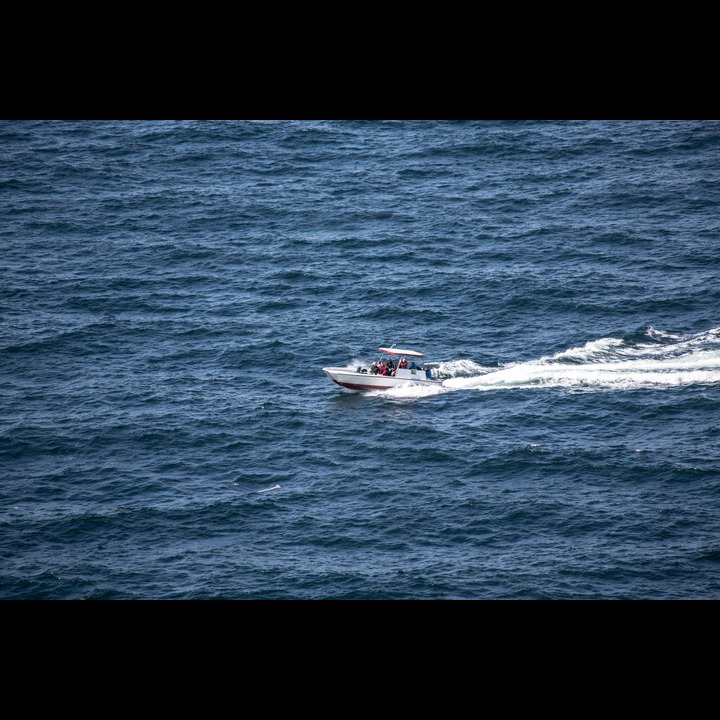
[171,290]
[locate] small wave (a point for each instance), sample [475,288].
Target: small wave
[460,368]
[589,350]
[661,335]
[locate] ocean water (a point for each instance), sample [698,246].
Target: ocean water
[171,290]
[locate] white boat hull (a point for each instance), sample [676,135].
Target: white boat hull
[365,381]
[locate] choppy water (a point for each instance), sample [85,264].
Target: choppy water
[171,290]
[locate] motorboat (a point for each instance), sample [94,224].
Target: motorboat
[410,368]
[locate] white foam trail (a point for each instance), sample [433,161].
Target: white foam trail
[610,363]
[457,368]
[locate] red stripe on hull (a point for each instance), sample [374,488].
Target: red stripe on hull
[354,386]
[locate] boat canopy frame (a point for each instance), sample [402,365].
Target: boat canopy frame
[394,351]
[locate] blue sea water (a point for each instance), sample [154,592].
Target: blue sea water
[171,290]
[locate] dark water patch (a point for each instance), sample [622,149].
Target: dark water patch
[713,557]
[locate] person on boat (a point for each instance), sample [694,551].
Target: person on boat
[390,366]
[382,368]
[403,363]
[373,368]
[412,365]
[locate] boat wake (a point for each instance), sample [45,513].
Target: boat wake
[662,360]
[656,359]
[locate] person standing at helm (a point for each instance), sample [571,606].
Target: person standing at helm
[403,363]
